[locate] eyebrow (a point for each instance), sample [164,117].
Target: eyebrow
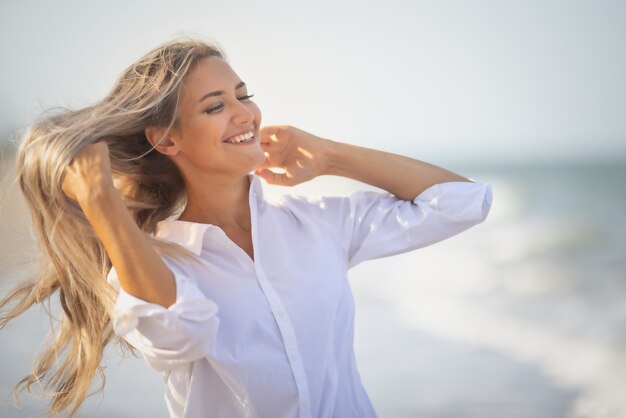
[220,92]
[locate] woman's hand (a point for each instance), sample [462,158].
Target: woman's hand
[301,155]
[89,174]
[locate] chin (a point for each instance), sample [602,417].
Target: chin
[260,160]
[255,164]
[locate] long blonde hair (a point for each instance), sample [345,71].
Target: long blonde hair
[73,261]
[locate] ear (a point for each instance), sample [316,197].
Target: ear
[162,140]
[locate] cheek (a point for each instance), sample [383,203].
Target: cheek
[203,130]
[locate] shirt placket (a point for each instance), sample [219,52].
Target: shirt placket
[284,324]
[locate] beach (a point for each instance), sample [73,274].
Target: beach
[520,317]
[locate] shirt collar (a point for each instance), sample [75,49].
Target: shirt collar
[191,234]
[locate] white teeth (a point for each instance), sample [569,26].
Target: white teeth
[240,138]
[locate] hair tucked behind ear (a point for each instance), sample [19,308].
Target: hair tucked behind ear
[73,261]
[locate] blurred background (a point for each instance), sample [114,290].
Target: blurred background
[523,315]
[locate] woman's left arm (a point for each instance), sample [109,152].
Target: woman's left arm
[304,156]
[369,224]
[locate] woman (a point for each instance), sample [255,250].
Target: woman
[243,305]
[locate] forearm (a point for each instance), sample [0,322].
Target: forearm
[401,176]
[141,271]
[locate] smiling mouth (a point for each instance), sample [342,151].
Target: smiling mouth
[241,139]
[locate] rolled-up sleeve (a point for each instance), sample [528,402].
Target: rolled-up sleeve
[167,337]
[379,224]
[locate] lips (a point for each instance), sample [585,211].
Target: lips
[246,136]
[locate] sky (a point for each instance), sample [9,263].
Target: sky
[454,80]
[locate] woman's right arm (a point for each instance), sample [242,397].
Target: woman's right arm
[159,310]
[140,270]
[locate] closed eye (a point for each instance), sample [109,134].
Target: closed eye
[221,105]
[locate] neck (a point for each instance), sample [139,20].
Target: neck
[221,201]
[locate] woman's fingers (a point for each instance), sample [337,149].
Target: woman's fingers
[275,134]
[90,169]
[280,179]
[296,152]
[273,130]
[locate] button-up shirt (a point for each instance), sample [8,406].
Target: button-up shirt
[273,337]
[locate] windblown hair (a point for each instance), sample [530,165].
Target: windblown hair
[73,260]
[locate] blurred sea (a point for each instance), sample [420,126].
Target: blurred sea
[542,281]
[521,316]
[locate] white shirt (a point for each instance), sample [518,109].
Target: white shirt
[273,337]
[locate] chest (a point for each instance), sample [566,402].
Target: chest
[296,270]
[243,240]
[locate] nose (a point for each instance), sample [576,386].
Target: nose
[243,113]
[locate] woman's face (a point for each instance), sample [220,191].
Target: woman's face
[215,112]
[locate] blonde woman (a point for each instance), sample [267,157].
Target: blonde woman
[149,210]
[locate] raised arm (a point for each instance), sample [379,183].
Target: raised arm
[304,156]
[401,176]
[141,271]
[429,203]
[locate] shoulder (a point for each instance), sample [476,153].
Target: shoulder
[310,207]
[181,261]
